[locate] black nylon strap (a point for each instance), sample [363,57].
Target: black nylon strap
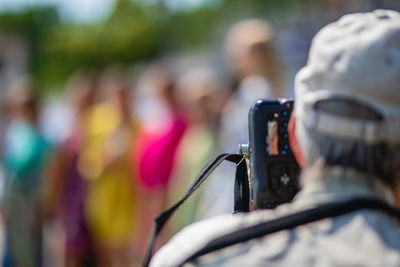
[242,190]
[241,201]
[292,221]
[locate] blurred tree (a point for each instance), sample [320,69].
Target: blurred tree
[32,25]
[135,30]
[198,27]
[127,36]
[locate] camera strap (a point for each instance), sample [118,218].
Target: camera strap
[291,221]
[241,194]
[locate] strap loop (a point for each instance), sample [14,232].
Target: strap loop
[240,161]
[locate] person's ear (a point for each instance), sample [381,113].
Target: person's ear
[294,144]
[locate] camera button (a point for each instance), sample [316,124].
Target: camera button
[285,179]
[275,182]
[286,146]
[292,189]
[284,170]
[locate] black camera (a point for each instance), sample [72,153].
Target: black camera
[273,168]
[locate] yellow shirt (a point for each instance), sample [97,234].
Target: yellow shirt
[106,162]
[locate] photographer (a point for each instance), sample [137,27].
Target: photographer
[344,132]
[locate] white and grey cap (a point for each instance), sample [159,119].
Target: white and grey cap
[357,57]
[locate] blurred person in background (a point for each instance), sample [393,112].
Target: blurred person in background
[202,94]
[24,153]
[157,148]
[57,117]
[106,161]
[249,47]
[65,188]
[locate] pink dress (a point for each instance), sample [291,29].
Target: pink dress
[157,155]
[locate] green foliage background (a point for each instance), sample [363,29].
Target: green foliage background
[134,31]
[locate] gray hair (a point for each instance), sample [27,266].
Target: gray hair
[379,160]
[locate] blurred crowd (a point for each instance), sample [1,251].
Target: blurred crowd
[126,147]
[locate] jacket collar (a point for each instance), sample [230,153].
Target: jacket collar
[329,184]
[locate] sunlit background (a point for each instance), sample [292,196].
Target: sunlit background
[38,35]
[114,106]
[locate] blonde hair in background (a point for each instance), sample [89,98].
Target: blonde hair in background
[253,39]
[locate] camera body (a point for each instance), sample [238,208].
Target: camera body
[273,168]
